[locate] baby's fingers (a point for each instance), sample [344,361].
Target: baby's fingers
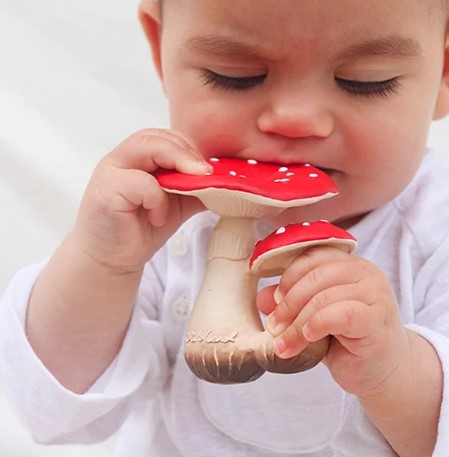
[133,189]
[351,319]
[266,301]
[324,284]
[309,260]
[291,333]
[151,149]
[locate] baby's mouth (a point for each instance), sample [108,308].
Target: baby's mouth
[327,171]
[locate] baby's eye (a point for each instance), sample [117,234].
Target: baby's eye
[370,88]
[231,83]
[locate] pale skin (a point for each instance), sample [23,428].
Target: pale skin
[272,88]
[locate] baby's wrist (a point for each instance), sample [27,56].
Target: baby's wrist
[395,379]
[96,263]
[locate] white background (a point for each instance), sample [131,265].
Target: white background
[75,79]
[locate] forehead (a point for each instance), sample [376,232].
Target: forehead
[247,12]
[435,7]
[443,5]
[284,24]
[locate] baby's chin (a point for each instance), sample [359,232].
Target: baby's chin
[349,221]
[308,213]
[316,213]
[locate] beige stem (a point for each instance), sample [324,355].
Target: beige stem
[225,339]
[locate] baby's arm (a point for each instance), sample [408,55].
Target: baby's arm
[82,303]
[372,355]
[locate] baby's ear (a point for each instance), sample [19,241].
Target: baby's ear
[150,18]
[442,106]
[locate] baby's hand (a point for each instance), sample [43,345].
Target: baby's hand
[328,292]
[125,216]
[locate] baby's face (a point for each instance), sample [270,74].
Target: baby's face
[349,86]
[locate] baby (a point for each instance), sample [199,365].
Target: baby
[93,338]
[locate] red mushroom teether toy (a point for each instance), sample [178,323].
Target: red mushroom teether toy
[225,338]
[278,249]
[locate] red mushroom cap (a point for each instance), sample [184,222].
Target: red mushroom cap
[272,254]
[264,184]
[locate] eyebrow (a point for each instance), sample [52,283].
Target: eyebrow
[225,47]
[394,46]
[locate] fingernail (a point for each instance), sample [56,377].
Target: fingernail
[307,332]
[279,345]
[273,326]
[278,296]
[156,218]
[207,167]
[271,323]
[198,166]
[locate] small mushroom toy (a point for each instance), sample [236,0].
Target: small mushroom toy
[272,254]
[225,340]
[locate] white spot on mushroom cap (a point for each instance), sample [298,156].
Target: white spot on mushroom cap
[252,161]
[313,175]
[282,180]
[281,230]
[233,173]
[290,174]
[283,169]
[306,224]
[214,159]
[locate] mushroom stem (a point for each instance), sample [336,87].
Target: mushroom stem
[225,339]
[233,238]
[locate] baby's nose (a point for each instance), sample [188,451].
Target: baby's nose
[296,118]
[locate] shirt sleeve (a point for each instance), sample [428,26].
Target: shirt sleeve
[432,323]
[52,413]
[441,345]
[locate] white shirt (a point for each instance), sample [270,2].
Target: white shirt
[167,411]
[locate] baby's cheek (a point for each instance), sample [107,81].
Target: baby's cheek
[216,131]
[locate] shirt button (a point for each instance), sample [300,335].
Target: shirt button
[180,309]
[179,245]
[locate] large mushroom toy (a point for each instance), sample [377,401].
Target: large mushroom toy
[225,340]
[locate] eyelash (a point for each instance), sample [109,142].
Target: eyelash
[357,88]
[231,84]
[370,88]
